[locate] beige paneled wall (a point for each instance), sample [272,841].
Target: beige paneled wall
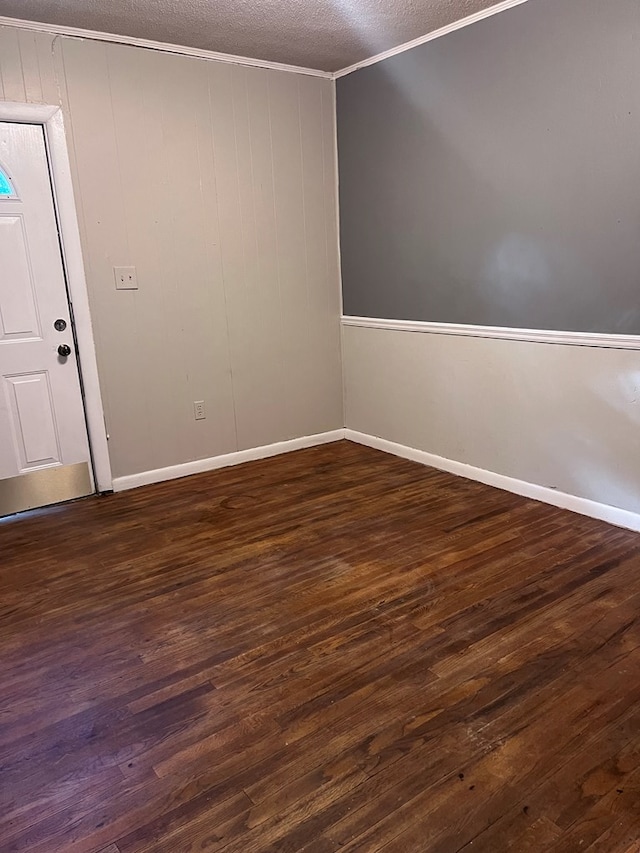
[217,182]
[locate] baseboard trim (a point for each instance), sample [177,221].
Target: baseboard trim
[173,472]
[583,506]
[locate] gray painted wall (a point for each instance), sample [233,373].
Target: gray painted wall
[492,176]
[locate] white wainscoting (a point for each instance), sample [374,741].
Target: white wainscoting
[553,421]
[604,512]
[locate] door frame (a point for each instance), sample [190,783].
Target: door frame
[51,120]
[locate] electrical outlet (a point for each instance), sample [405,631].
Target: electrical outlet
[126,278]
[198,410]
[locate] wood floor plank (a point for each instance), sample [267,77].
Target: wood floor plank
[330,650]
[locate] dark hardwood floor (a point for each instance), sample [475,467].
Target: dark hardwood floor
[330,650]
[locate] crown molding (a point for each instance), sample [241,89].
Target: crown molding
[214,56]
[163,47]
[435,34]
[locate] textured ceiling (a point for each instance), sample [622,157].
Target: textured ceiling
[323,34]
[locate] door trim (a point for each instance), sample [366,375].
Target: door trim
[52,122]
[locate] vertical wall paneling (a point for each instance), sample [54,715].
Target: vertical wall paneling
[216,182]
[232,227]
[290,223]
[27,44]
[11,71]
[315,213]
[260,317]
[265,309]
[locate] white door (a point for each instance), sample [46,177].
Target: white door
[44,449]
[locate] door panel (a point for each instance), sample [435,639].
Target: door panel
[33,420]
[42,423]
[18,316]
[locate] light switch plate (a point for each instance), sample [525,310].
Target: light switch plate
[126,278]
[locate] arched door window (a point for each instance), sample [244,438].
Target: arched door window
[6,187]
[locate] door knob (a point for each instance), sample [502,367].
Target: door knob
[64,350]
